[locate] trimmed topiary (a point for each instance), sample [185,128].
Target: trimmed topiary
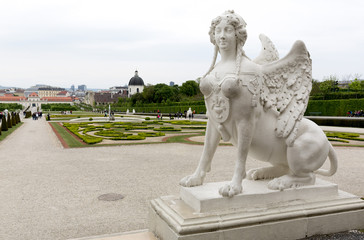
[135,137]
[4,124]
[166,129]
[151,134]
[74,128]
[28,114]
[10,123]
[13,121]
[16,118]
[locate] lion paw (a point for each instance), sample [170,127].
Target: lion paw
[265,173]
[255,174]
[191,181]
[287,181]
[231,189]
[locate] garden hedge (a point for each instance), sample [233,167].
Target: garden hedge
[74,128]
[333,107]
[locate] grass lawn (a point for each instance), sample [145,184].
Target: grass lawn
[4,134]
[182,139]
[70,140]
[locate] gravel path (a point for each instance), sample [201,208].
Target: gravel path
[49,192]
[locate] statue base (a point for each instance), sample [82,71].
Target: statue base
[258,213]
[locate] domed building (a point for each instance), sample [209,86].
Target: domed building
[136,85]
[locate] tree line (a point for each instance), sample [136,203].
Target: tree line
[189,91]
[330,89]
[163,93]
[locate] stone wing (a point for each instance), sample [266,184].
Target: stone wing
[286,88]
[268,53]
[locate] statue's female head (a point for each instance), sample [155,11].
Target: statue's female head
[240,32]
[235,20]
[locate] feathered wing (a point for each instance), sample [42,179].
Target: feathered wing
[286,88]
[268,53]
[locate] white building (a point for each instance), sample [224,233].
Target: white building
[136,85]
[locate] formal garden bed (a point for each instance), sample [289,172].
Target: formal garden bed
[97,131]
[82,134]
[345,139]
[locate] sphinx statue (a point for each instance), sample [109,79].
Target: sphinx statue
[258,106]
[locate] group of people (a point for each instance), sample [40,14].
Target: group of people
[177,115]
[37,115]
[66,112]
[356,113]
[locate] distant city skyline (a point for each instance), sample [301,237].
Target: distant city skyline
[101,43]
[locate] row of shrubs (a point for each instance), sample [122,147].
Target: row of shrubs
[341,136]
[344,122]
[10,106]
[334,107]
[337,107]
[59,107]
[11,120]
[344,135]
[114,135]
[74,128]
[337,95]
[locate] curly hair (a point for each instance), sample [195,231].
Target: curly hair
[240,32]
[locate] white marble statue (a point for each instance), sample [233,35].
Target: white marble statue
[258,106]
[189,113]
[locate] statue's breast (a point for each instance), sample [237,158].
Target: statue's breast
[228,84]
[206,85]
[217,93]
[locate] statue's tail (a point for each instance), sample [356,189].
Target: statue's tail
[333,163]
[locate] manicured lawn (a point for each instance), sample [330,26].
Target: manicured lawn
[70,140]
[4,134]
[182,139]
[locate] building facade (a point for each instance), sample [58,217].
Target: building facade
[136,85]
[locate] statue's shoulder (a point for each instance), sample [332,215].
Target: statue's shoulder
[248,65]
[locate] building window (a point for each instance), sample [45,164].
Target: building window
[137,90]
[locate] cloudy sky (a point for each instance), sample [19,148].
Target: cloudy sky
[100,43]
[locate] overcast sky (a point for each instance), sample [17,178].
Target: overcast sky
[100,43]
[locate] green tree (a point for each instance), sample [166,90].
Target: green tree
[315,87]
[326,86]
[162,92]
[138,97]
[190,88]
[330,84]
[148,93]
[355,85]
[176,93]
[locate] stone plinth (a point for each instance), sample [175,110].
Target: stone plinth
[206,198]
[258,213]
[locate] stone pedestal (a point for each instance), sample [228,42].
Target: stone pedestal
[200,213]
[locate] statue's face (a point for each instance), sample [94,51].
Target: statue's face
[225,36]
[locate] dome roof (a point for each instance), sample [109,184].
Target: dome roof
[136,80]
